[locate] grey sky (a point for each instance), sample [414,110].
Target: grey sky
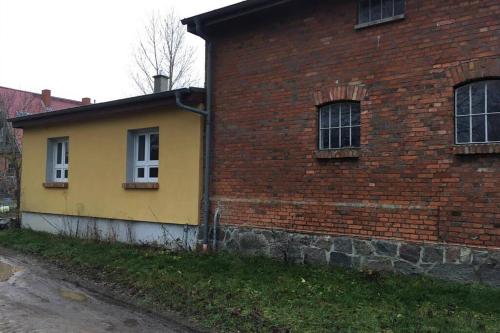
[80,48]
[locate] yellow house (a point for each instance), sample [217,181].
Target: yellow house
[129,169]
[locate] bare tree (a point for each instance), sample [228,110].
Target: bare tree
[163,49]
[12,103]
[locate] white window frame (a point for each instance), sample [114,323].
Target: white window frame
[147,164]
[63,166]
[470,115]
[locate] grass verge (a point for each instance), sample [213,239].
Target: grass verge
[234,294]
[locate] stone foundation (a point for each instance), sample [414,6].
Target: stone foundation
[449,262]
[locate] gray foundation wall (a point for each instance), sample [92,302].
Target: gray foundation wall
[450,262]
[172,236]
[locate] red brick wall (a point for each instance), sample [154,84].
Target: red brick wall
[408,182]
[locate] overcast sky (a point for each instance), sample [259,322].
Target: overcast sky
[80,48]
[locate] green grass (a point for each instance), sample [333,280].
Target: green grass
[233,294]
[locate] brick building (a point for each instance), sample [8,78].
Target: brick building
[360,134]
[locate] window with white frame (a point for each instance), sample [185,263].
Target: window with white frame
[339,125]
[59,151]
[379,10]
[146,153]
[477,112]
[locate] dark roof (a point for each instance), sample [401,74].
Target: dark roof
[193,96]
[230,12]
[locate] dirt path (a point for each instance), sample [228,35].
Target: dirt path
[32,299]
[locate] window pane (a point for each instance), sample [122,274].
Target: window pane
[387,8]
[66,152]
[376,9]
[478,129]
[494,127]
[325,139]
[463,105]
[58,174]
[335,120]
[140,173]
[356,136]
[355,114]
[477,94]
[364,11]
[59,153]
[154,146]
[324,117]
[463,129]
[334,138]
[346,137]
[141,148]
[153,172]
[342,117]
[399,7]
[493,96]
[345,116]
[66,174]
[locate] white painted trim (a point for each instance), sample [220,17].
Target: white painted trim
[147,164]
[54,165]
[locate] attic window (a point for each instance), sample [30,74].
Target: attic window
[379,11]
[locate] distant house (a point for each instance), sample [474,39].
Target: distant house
[127,170]
[22,103]
[15,103]
[363,134]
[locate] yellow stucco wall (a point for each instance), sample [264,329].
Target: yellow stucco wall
[97,169]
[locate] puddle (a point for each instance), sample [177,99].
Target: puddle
[73,295]
[6,271]
[131,322]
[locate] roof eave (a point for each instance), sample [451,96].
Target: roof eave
[231,12]
[102,109]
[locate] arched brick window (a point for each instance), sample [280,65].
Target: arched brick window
[339,125]
[477,112]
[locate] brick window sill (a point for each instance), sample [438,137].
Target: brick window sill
[477,149]
[55,185]
[378,22]
[338,154]
[141,186]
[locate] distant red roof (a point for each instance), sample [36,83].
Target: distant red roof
[19,102]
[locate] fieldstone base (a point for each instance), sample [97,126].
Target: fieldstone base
[449,262]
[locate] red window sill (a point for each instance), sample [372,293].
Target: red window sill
[338,153]
[55,185]
[141,186]
[477,149]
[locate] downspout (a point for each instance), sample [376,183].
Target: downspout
[208,131]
